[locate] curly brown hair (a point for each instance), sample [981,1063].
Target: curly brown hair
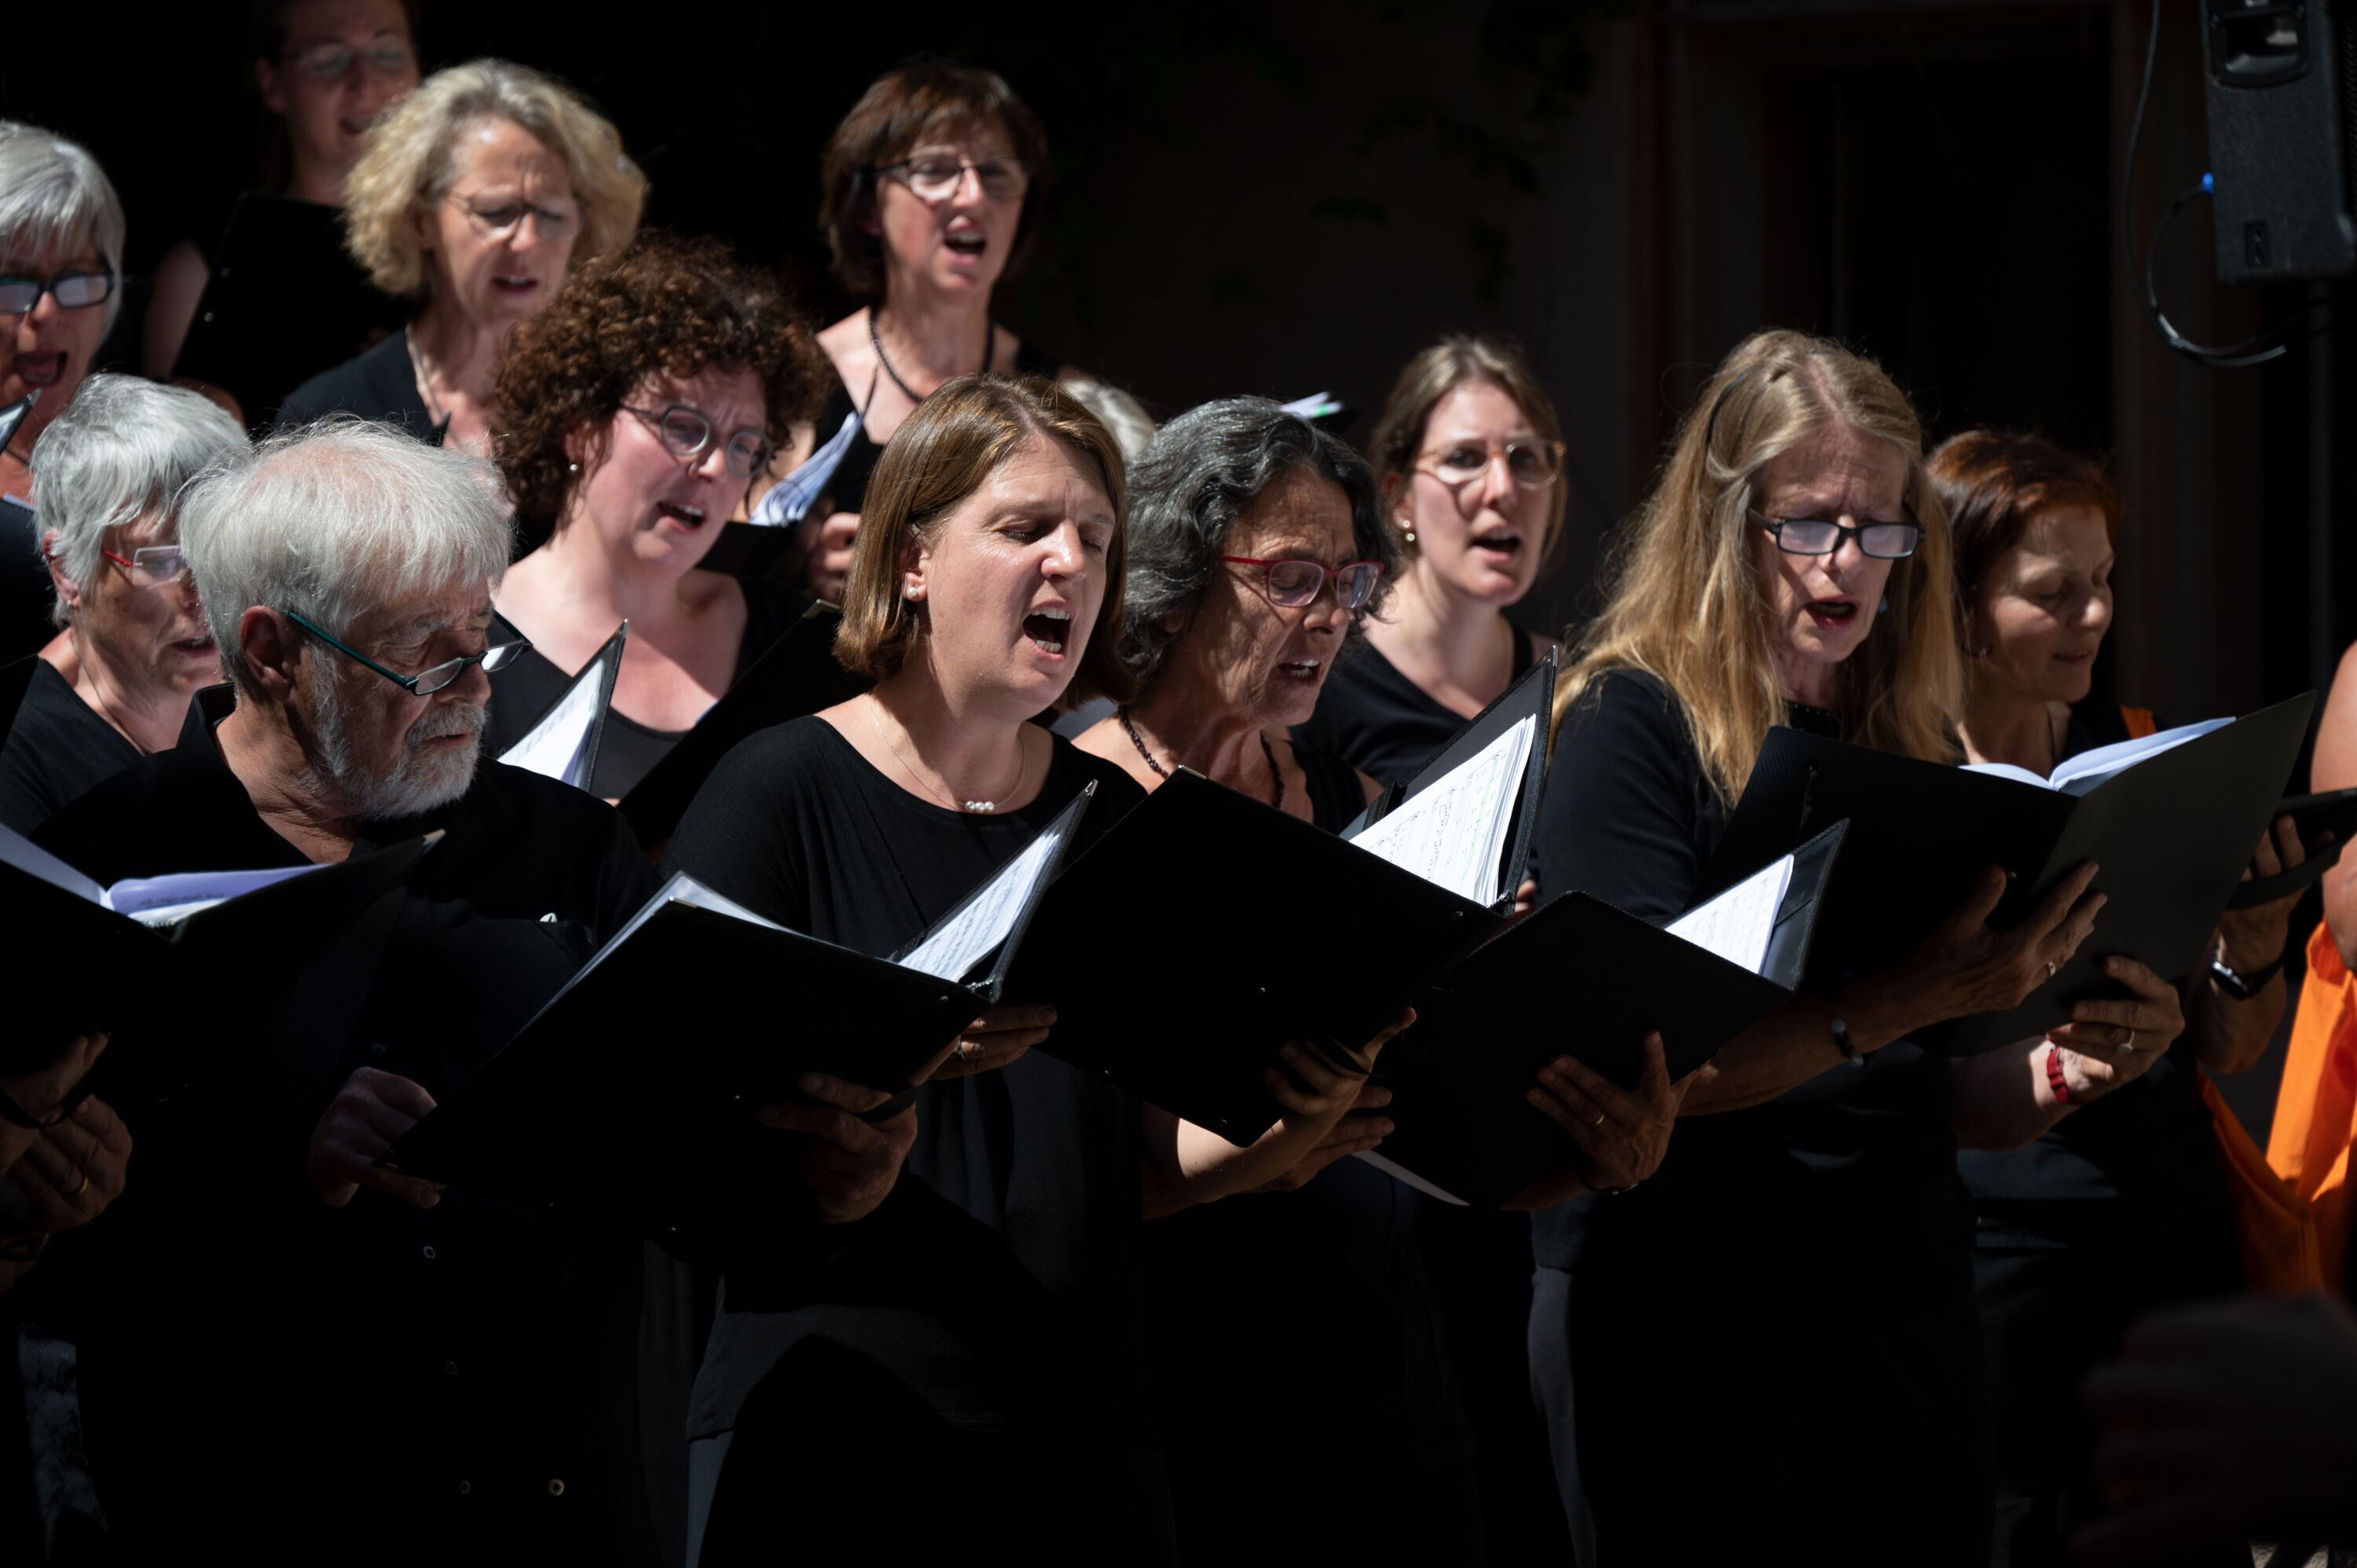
[663,306]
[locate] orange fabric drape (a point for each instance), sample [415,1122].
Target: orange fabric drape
[2315,1110]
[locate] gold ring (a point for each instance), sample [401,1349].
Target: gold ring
[2128,1045]
[2051,967]
[1600,1120]
[84,1187]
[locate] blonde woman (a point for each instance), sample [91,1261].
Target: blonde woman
[476,195]
[1782,1317]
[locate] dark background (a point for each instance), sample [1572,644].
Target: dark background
[1282,199]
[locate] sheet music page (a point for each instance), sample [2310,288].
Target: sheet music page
[2089,769]
[558,746]
[1453,833]
[974,931]
[167,900]
[1737,924]
[25,856]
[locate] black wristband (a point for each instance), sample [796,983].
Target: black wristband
[2243,987]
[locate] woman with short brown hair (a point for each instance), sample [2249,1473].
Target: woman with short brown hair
[634,412]
[931,188]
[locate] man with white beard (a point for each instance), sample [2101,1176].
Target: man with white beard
[358,1367]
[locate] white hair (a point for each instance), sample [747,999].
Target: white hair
[124,447]
[1133,428]
[52,193]
[336,518]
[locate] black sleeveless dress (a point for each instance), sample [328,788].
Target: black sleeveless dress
[1323,1294]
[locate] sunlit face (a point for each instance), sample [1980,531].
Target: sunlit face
[49,348]
[1482,538]
[391,754]
[1012,577]
[153,639]
[345,61]
[650,505]
[2044,607]
[1241,653]
[956,245]
[1820,607]
[499,241]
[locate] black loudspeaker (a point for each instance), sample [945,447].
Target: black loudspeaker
[2280,129]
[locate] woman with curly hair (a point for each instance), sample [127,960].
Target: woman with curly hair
[476,195]
[633,411]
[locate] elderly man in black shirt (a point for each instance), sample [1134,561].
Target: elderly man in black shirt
[289,1351]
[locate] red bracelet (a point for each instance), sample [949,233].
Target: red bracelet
[2054,1079]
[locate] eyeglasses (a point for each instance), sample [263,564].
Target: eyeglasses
[73,291]
[1289,585]
[688,431]
[1530,463]
[426,682]
[937,178]
[152,565]
[1821,536]
[327,62]
[498,220]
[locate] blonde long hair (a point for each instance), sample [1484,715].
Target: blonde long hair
[1686,603]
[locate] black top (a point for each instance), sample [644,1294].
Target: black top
[26,592]
[1382,723]
[378,384]
[1340,1254]
[1853,1170]
[58,750]
[496,1417]
[848,491]
[2151,1141]
[628,750]
[1025,1307]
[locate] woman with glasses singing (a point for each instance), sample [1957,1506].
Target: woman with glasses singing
[61,268]
[1256,543]
[323,70]
[1768,1352]
[114,684]
[931,190]
[2127,1207]
[633,413]
[474,195]
[1471,460]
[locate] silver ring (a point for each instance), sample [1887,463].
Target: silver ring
[2128,1045]
[1599,1119]
[2051,967]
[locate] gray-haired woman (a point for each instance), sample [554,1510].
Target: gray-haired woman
[1257,540]
[115,683]
[61,261]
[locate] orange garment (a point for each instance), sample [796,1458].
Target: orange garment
[2315,1110]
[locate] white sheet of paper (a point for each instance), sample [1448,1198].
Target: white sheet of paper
[25,856]
[2086,772]
[1737,924]
[1400,1173]
[557,747]
[953,950]
[166,900]
[1453,833]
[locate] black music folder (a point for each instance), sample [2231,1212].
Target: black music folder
[1205,929]
[2326,822]
[131,959]
[699,1010]
[562,743]
[2169,819]
[797,676]
[1580,977]
[284,302]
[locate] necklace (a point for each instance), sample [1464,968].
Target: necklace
[975,806]
[989,355]
[1138,740]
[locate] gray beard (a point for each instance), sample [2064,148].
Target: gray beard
[420,783]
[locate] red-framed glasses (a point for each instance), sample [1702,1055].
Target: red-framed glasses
[1289,585]
[152,565]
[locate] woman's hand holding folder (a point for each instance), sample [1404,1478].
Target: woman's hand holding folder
[849,1162]
[1622,1136]
[2108,1043]
[997,1039]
